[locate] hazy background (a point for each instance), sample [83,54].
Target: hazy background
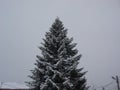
[94,25]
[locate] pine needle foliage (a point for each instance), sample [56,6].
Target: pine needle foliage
[56,67]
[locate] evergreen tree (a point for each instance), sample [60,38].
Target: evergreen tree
[56,67]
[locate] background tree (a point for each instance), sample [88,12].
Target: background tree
[56,67]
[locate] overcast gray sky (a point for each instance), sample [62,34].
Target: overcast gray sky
[94,25]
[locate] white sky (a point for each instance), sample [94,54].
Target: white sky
[94,25]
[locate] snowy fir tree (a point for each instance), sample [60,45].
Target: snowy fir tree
[56,67]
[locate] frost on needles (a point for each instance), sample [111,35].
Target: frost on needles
[56,67]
